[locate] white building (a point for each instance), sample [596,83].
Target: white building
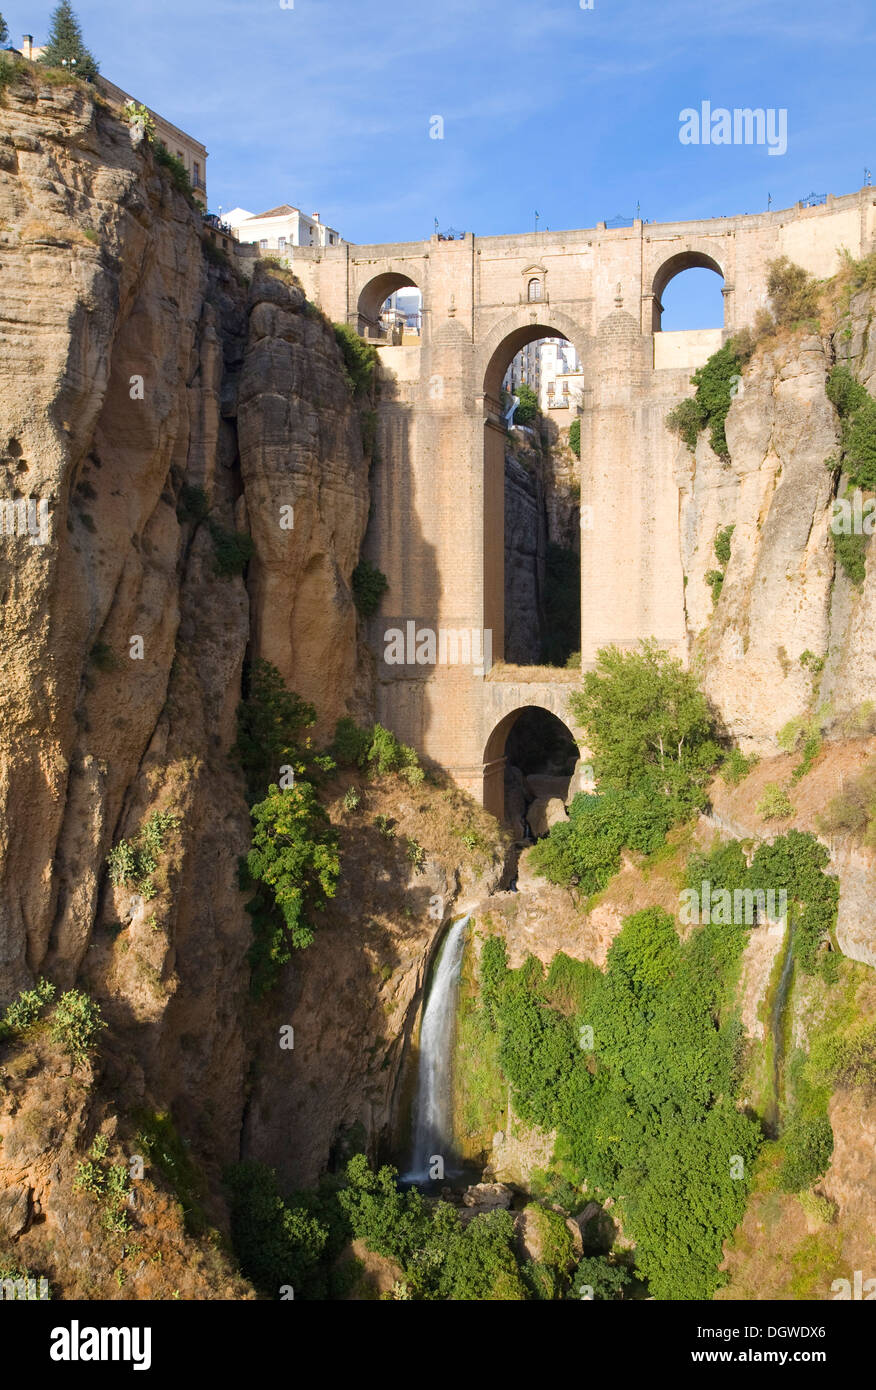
[561,377]
[550,366]
[280,228]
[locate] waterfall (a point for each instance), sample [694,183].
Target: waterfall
[433,1106]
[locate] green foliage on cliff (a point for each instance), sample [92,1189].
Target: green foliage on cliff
[795,863]
[441,1258]
[65,45]
[133,862]
[26,1009]
[281,1245]
[294,858]
[272,724]
[374,749]
[586,848]
[716,382]
[76,1024]
[575,438]
[648,725]
[857,411]
[360,359]
[369,584]
[648,1113]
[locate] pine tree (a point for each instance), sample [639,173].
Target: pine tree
[4,31]
[65,47]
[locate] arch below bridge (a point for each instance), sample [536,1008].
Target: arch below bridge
[495,757]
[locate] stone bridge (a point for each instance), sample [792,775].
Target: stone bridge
[437,524]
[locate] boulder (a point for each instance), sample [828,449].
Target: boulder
[545,812]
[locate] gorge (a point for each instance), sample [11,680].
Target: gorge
[149,732]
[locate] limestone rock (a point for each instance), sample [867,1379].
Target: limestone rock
[545,812]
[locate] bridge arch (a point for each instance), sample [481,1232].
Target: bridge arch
[533,724]
[513,332]
[374,295]
[689,259]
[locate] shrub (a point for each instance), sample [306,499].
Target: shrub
[586,848]
[817,1207]
[352,799]
[175,169]
[133,862]
[369,584]
[686,420]
[76,1024]
[279,1244]
[715,581]
[648,725]
[793,292]
[102,656]
[736,767]
[272,724]
[158,1139]
[575,438]
[192,504]
[359,358]
[851,552]
[606,1280]
[807,1145]
[294,857]
[722,544]
[232,550]
[775,803]
[853,810]
[351,743]
[794,864]
[415,853]
[26,1009]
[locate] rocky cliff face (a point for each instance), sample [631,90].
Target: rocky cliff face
[783,593]
[159,407]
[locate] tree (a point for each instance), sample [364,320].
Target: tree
[66,46]
[648,724]
[527,408]
[4,30]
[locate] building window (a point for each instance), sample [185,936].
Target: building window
[281,243]
[534,289]
[264,244]
[331,238]
[196,174]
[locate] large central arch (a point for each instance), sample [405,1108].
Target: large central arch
[501,345]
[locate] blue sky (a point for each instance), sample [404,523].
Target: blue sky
[548,107]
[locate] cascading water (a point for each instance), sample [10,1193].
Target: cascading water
[433,1106]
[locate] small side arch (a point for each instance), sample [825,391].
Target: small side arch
[675,265]
[374,295]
